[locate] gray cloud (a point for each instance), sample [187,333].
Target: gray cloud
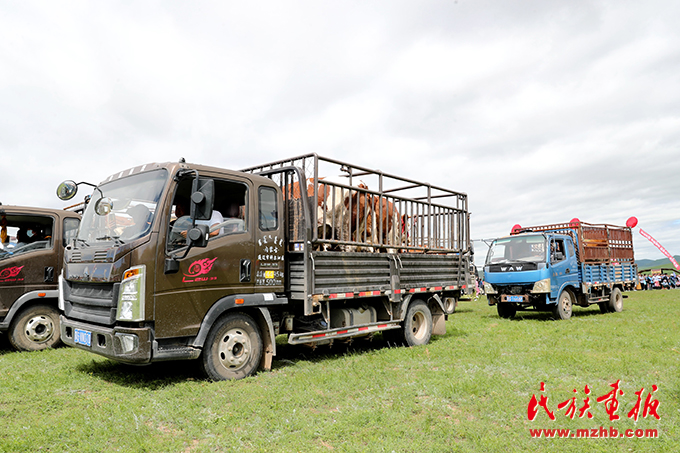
[541,111]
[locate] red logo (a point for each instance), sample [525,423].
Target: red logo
[10,272]
[198,268]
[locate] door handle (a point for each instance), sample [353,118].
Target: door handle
[49,274]
[245,271]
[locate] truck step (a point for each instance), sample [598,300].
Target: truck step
[174,352]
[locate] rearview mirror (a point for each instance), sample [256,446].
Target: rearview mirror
[67,190]
[103,206]
[202,198]
[198,236]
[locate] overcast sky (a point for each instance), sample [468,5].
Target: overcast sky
[541,111]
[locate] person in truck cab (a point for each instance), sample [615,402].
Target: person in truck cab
[140,217]
[182,210]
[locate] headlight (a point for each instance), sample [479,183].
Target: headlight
[541,286]
[489,289]
[131,296]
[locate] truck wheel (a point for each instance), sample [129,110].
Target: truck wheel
[416,329]
[562,309]
[604,307]
[450,304]
[35,328]
[233,348]
[615,303]
[506,310]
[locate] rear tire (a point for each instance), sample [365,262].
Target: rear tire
[604,307]
[417,324]
[416,329]
[35,328]
[615,303]
[450,304]
[233,349]
[563,308]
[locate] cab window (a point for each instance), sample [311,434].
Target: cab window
[557,251]
[229,215]
[70,230]
[268,212]
[21,233]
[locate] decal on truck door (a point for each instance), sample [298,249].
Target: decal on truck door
[198,268]
[9,273]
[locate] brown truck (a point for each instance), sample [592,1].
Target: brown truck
[32,242]
[180,261]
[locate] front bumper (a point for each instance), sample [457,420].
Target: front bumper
[108,342]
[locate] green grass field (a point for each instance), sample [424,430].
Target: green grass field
[466,391]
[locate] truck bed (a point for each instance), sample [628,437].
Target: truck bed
[343,275]
[596,274]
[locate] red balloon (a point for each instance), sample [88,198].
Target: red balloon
[575,221]
[632,222]
[516,228]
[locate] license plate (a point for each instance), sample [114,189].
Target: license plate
[83,337]
[515,298]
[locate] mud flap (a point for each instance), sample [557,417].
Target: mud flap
[438,324]
[268,339]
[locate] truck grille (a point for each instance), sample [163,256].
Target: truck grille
[91,302]
[514,267]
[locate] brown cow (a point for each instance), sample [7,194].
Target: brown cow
[359,206]
[329,211]
[387,219]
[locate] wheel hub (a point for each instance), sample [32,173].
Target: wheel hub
[234,348]
[39,329]
[418,325]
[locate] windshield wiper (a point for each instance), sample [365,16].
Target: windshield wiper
[116,239]
[507,262]
[83,241]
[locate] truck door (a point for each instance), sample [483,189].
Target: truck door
[206,274]
[28,259]
[562,264]
[269,262]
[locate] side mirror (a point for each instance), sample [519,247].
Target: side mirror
[67,190]
[103,206]
[202,198]
[198,236]
[559,256]
[171,266]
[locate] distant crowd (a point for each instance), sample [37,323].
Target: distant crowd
[659,281]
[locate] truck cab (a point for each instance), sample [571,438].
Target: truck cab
[530,270]
[32,242]
[158,248]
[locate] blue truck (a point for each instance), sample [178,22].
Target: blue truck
[554,267]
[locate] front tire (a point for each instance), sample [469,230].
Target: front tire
[233,348]
[506,310]
[563,308]
[615,303]
[36,328]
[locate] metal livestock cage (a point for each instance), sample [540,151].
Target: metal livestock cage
[337,206]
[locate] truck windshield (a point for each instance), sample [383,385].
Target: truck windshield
[135,199]
[527,249]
